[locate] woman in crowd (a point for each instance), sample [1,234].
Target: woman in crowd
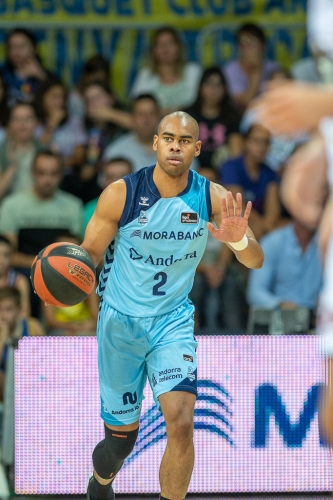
[172,80]
[57,130]
[95,69]
[22,71]
[104,120]
[18,149]
[217,117]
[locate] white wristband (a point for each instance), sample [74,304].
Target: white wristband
[241,244]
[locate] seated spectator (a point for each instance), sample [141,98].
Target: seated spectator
[79,319]
[247,75]
[57,130]
[10,277]
[291,275]
[137,146]
[32,219]
[95,69]
[22,71]
[13,327]
[218,299]
[111,171]
[217,117]
[248,175]
[168,77]
[18,149]
[280,147]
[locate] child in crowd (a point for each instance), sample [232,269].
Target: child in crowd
[10,277]
[13,326]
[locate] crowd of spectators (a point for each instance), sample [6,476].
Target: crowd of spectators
[60,147]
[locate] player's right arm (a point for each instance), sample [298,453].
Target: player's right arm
[103,225]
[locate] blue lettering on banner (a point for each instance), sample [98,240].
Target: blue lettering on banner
[218,7]
[73,6]
[23,5]
[243,7]
[268,402]
[124,8]
[176,8]
[100,6]
[196,9]
[48,7]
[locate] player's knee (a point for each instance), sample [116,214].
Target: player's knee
[180,427]
[109,454]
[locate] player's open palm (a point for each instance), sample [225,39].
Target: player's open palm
[233,224]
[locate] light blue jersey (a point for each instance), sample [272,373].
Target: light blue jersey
[150,265]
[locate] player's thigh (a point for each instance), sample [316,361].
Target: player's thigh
[172,360]
[121,365]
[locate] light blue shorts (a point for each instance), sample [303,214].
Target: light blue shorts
[130,349]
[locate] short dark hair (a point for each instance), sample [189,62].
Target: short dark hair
[49,153]
[5,240]
[12,293]
[19,104]
[252,29]
[142,97]
[118,159]
[249,131]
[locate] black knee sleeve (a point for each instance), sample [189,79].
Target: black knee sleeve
[109,454]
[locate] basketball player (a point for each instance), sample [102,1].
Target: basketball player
[153,225]
[296,108]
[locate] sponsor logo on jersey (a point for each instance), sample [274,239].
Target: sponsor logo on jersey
[143,201]
[153,378]
[136,233]
[169,374]
[172,235]
[142,220]
[134,254]
[190,374]
[189,218]
[187,357]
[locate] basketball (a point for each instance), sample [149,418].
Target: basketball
[63,274]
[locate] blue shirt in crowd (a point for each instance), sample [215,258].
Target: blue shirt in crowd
[288,274]
[233,172]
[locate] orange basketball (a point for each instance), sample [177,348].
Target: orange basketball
[63,274]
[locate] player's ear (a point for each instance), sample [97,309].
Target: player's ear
[197,148]
[155,142]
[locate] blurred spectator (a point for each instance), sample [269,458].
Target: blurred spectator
[111,171]
[137,146]
[13,326]
[80,319]
[57,130]
[32,219]
[95,69]
[217,296]
[22,71]
[18,149]
[248,175]
[217,117]
[246,75]
[10,277]
[172,80]
[4,108]
[291,275]
[280,147]
[105,120]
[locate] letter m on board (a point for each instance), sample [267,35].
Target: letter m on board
[268,402]
[128,397]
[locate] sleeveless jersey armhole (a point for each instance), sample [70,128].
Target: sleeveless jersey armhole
[208,200]
[128,203]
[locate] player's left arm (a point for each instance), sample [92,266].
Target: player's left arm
[232,227]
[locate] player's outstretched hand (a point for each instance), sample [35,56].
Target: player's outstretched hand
[233,225]
[293,107]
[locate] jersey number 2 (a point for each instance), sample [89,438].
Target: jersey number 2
[163,279]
